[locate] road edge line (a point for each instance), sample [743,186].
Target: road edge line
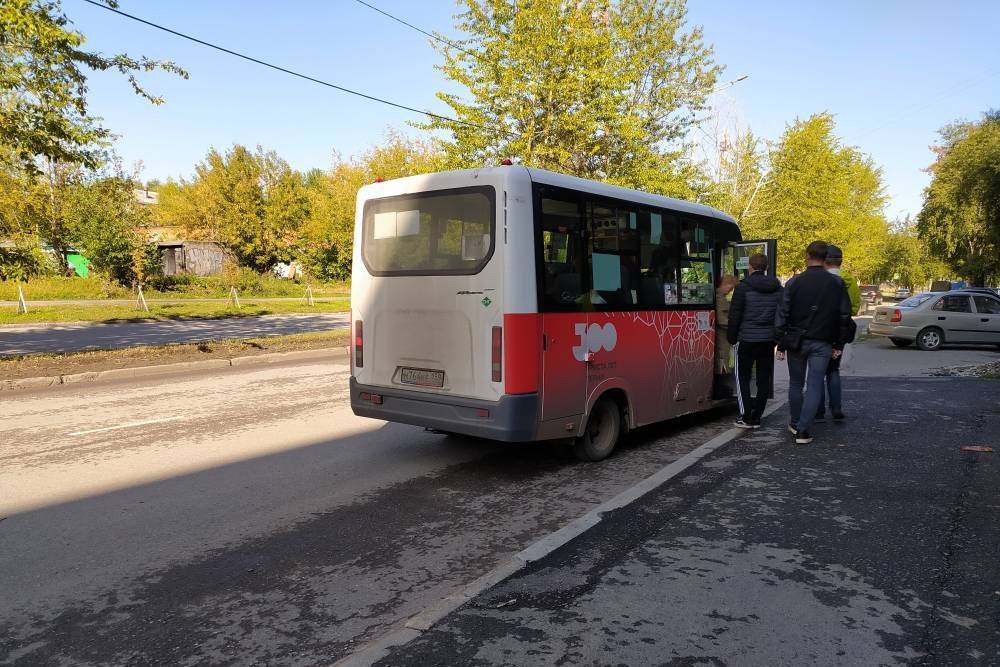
[423,620]
[137,372]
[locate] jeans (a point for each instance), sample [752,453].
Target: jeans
[807,370]
[749,355]
[833,388]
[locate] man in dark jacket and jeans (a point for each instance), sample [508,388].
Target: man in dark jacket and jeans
[751,332]
[811,326]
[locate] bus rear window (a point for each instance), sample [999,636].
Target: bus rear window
[442,232]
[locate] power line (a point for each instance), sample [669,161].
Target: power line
[282,69]
[421,31]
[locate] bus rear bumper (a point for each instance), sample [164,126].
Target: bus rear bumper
[513,418]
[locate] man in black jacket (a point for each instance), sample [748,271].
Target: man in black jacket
[751,332]
[811,326]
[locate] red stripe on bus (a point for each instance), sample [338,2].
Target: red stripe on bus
[522,352]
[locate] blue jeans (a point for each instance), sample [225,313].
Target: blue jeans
[807,369]
[833,387]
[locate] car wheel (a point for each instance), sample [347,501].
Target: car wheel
[899,342]
[930,339]
[599,438]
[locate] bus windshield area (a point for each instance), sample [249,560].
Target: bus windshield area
[430,233]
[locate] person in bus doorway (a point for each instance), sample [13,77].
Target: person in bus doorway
[723,349]
[811,324]
[751,332]
[834,387]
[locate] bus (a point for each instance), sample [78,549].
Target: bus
[519,304]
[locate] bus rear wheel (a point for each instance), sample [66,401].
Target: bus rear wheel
[599,438]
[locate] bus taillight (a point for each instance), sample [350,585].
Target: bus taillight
[497,355]
[359,344]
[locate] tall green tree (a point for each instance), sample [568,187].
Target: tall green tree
[603,90]
[106,223]
[250,201]
[43,85]
[819,189]
[960,219]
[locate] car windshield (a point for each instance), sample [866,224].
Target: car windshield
[915,300]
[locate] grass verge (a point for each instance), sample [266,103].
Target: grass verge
[214,287]
[166,311]
[45,365]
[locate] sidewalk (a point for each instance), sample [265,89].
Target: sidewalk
[878,543]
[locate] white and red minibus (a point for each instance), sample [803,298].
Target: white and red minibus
[519,304]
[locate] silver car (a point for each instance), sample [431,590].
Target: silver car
[933,319]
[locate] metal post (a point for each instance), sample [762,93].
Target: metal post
[22,305]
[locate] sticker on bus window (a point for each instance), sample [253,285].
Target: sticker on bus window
[704,323]
[385,225]
[407,223]
[670,293]
[474,246]
[607,272]
[743,264]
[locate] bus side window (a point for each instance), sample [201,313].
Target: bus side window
[562,254]
[697,285]
[658,257]
[614,258]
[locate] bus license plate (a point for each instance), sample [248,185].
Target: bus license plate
[422,377]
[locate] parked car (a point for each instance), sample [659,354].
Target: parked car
[933,319]
[871,294]
[903,293]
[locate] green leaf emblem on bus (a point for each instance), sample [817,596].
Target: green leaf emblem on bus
[486,301]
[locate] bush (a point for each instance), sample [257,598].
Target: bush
[21,263]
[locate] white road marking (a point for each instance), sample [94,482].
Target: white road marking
[133,424]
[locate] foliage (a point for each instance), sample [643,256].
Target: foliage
[907,260]
[43,85]
[106,222]
[591,88]
[739,174]
[820,189]
[960,219]
[251,202]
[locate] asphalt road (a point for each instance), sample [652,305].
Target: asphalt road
[248,517]
[876,545]
[77,336]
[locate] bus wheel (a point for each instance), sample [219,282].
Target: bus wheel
[601,434]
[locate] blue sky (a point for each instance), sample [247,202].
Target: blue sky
[892,72]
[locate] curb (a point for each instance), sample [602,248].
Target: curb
[24,384]
[425,619]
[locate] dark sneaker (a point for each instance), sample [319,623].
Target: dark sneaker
[739,423]
[803,438]
[839,416]
[820,419]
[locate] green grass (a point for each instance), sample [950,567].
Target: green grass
[112,313]
[247,284]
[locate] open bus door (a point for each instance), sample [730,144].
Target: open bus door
[736,257]
[736,262]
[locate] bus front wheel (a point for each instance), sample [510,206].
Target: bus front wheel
[601,434]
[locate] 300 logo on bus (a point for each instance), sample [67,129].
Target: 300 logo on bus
[594,338]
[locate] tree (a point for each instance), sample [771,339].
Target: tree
[819,189]
[251,202]
[960,218]
[43,85]
[107,223]
[738,174]
[603,90]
